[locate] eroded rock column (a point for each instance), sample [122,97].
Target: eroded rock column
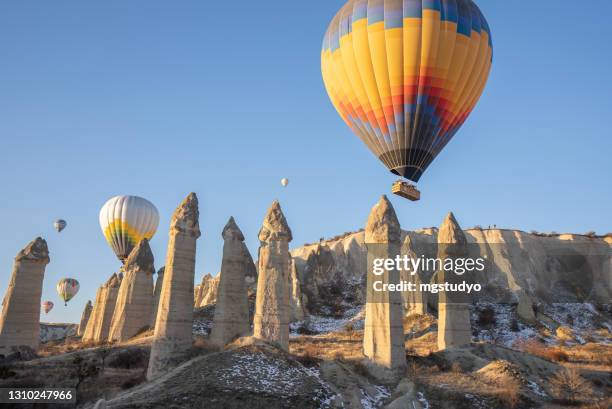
[135,298]
[271,321]
[99,324]
[453,309]
[173,328]
[413,300]
[159,282]
[383,340]
[85,318]
[20,319]
[231,318]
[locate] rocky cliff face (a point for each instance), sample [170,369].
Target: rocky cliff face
[522,267]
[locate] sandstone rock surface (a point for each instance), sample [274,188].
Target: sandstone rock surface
[20,319]
[454,328]
[159,282]
[272,310]
[99,323]
[206,292]
[134,306]
[231,317]
[173,328]
[85,318]
[383,339]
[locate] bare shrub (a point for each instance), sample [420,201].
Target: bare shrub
[567,386]
[456,368]
[128,359]
[103,352]
[486,317]
[537,348]
[510,395]
[82,370]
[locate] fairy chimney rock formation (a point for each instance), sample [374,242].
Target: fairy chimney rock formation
[453,311]
[231,318]
[20,319]
[414,302]
[134,305]
[85,318]
[173,327]
[383,341]
[272,310]
[206,293]
[156,293]
[99,323]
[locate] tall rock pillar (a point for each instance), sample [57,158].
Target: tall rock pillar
[174,324]
[453,309]
[99,323]
[159,282]
[232,310]
[414,303]
[85,318]
[20,319]
[135,298]
[272,310]
[383,340]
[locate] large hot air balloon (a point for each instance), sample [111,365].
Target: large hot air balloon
[59,225]
[284,182]
[47,306]
[125,221]
[67,289]
[405,75]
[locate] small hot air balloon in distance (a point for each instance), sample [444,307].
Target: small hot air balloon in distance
[405,75]
[125,221]
[67,288]
[60,225]
[284,182]
[47,306]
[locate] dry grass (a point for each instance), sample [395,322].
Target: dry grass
[568,386]
[536,348]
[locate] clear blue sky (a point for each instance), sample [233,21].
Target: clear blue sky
[160,98]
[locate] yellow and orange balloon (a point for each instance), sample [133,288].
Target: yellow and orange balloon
[405,74]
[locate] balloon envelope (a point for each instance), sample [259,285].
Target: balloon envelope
[47,306]
[60,225]
[67,288]
[284,181]
[405,74]
[125,221]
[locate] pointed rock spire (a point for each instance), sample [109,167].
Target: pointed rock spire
[173,327]
[231,318]
[134,303]
[186,217]
[35,251]
[231,231]
[383,225]
[275,225]
[383,339]
[453,309]
[85,318]
[450,232]
[20,319]
[271,321]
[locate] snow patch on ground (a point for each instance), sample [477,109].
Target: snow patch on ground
[260,373]
[581,318]
[506,330]
[376,401]
[322,325]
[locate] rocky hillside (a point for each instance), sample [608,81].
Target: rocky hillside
[525,268]
[54,332]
